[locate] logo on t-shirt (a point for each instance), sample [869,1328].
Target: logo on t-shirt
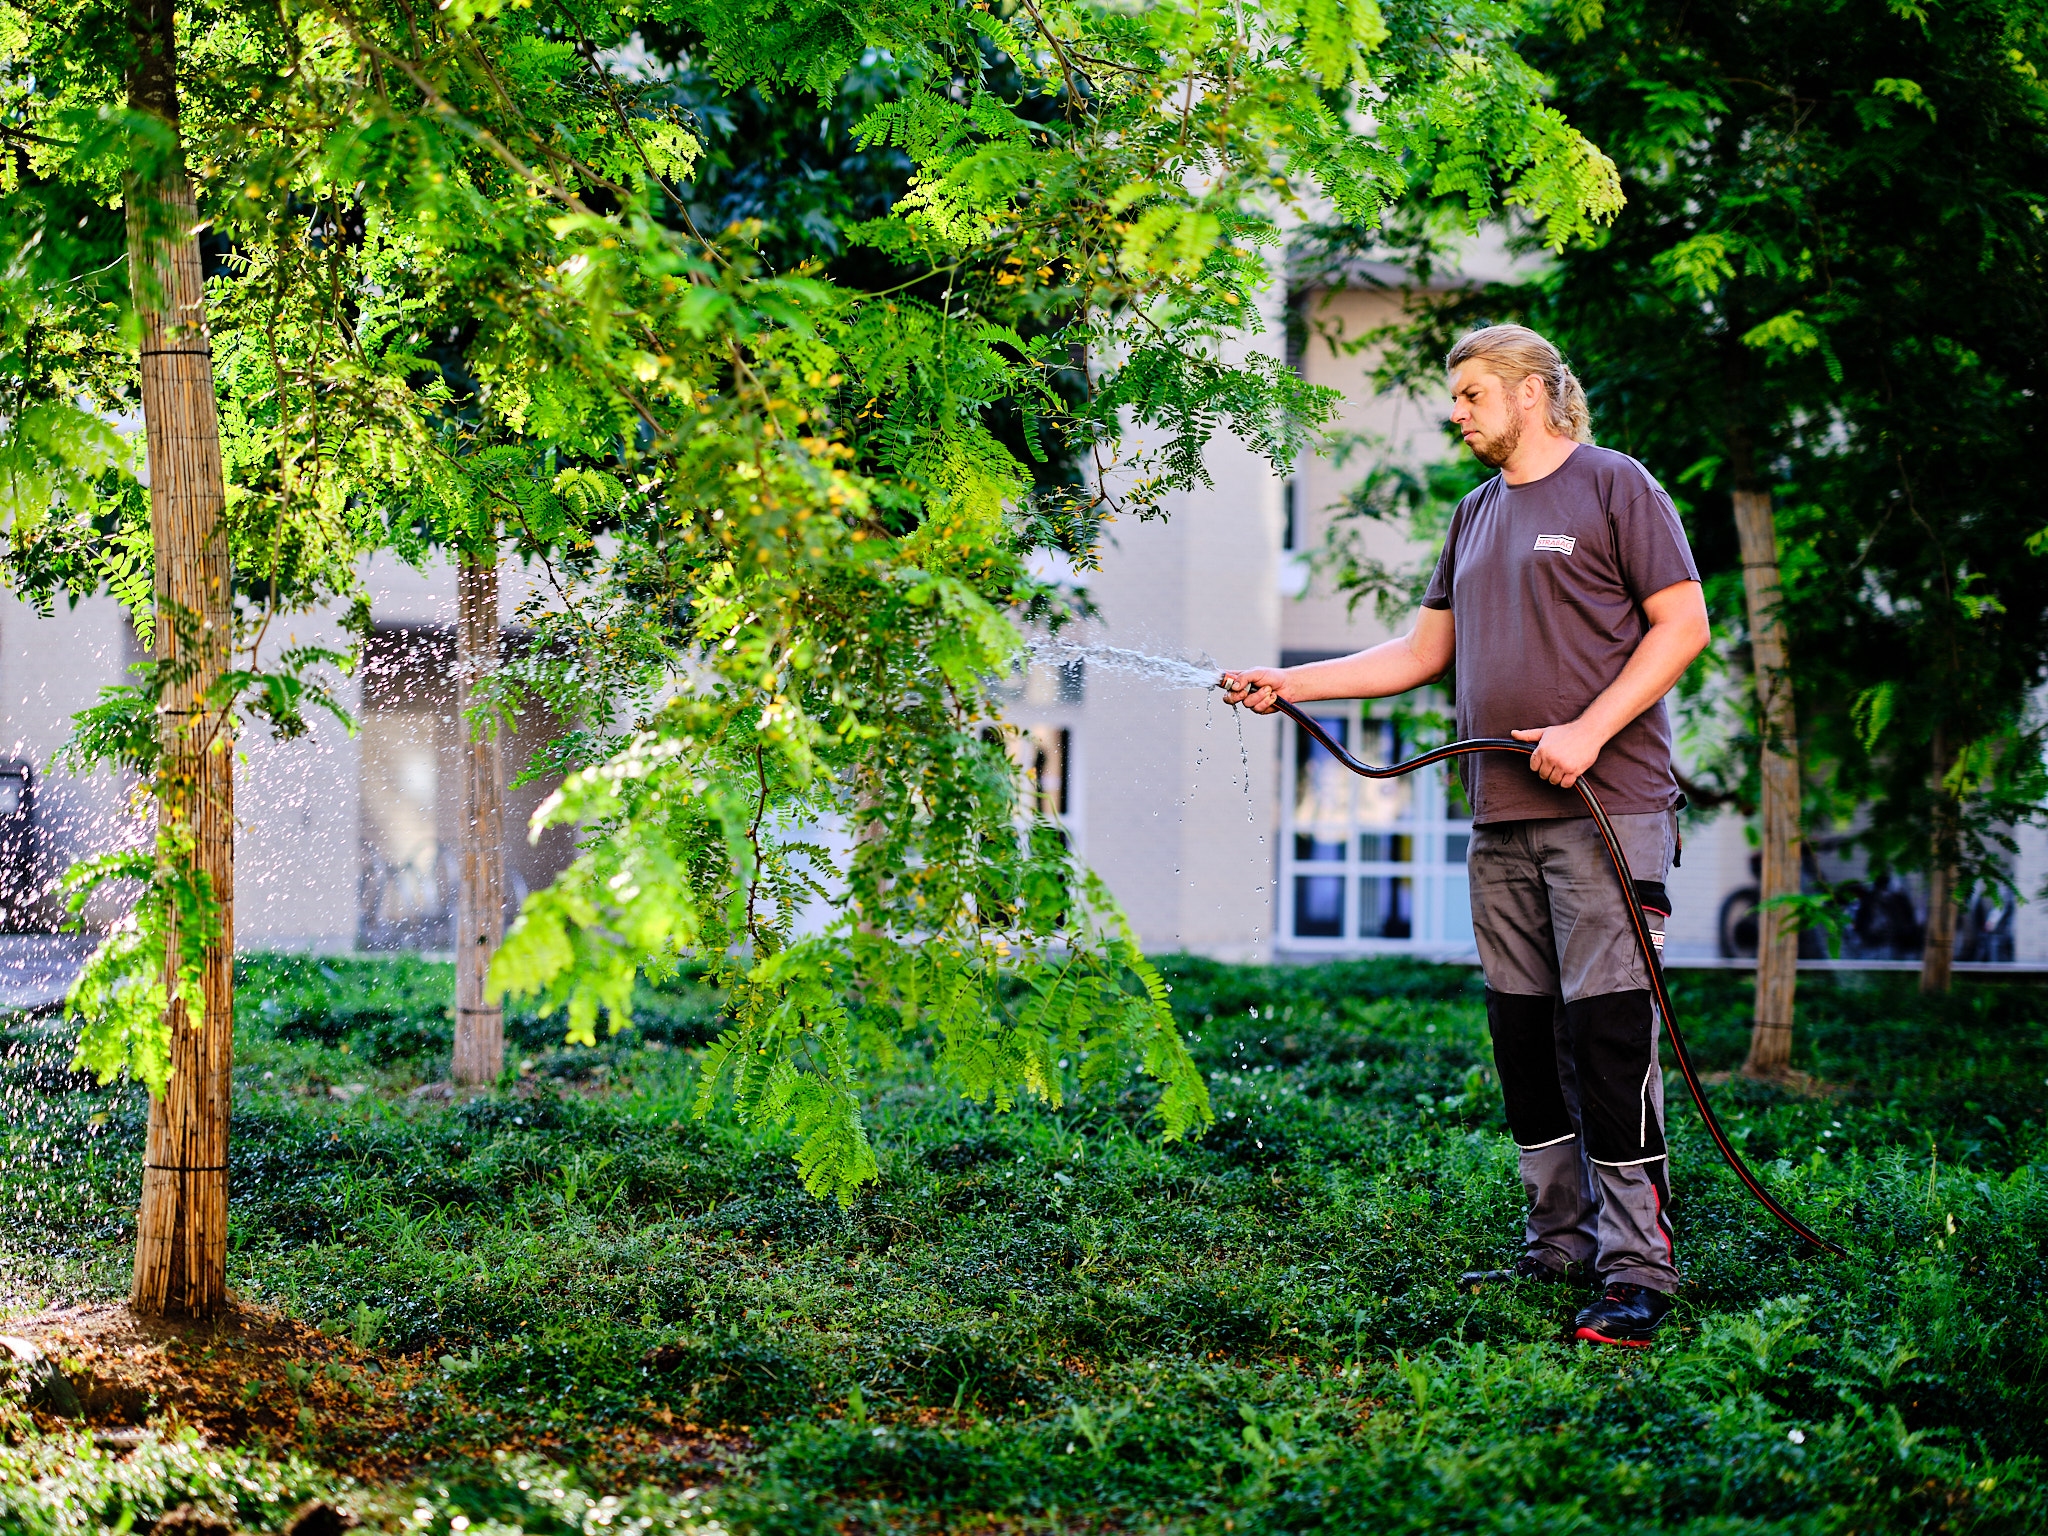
[1563,543]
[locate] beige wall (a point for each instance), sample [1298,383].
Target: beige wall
[50,668]
[1317,620]
[1177,822]
[298,804]
[296,807]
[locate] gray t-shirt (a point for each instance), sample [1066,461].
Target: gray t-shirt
[1545,582]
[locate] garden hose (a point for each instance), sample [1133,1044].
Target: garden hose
[1651,960]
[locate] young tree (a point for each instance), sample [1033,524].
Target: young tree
[480,895]
[785,542]
[182,1233]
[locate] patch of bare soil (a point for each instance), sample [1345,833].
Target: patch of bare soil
[257,1378]
[1805,1084]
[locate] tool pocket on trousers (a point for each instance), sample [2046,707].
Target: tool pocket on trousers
[1613,1047]
[1656,904]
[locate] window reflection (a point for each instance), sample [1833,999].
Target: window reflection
[1370,862]
[1322,785]
[1386,908]
[1319,906]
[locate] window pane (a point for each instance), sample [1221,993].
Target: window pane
[1457,912]
[1386,848]
[1386,907]
[403,896]
[1322,785]
[1397,848]
[1049,752]
[1319,906]
[1384,802]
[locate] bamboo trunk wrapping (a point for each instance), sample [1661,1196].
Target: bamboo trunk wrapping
[480,901]
[1938,951]
[181,1232]
[1777,935]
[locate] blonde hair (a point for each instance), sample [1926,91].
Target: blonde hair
[1512,353]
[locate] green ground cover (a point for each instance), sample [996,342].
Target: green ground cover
[1050,1320]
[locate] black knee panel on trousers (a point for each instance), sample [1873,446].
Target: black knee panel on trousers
[1612,1040]
[1524,1034]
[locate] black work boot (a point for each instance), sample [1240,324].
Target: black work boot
[1528,1270]
[1627,1315]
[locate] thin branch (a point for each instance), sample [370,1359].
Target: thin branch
[754,833]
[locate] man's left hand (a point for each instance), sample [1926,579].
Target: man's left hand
[1563,752]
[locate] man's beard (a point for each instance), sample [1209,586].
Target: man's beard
[1495,451]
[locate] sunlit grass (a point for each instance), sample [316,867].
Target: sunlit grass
[1056,1318]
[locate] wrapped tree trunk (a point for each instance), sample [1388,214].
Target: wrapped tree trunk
[1777,936]
[181,1234]
[1938,956]
[480,900]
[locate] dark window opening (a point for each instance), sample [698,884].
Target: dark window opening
[1385,907]
[1051,754]
[1319,906]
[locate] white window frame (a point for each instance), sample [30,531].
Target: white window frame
[1043,697]
[1416,806]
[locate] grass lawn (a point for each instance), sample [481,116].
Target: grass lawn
[568,1307]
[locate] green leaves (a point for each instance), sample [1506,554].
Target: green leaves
[1338,35]
[150,960]
[1907,91]
[1702,263]
[1872,712]
[55,453]
[783,518]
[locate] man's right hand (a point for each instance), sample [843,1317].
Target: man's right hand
[1259,688]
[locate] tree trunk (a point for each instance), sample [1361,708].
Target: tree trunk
[1938,956]
[480,902]
[1777,934]
[181,1233]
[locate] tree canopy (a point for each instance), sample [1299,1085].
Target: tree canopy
[461,285]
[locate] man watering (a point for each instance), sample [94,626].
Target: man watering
[1569,601]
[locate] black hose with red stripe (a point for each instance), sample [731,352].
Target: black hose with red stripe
[1652,961]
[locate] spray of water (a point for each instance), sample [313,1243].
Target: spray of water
[1167,671]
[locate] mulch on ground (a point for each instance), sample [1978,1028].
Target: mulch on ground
[255,1377]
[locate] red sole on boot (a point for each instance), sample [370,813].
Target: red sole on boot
[1601,1338]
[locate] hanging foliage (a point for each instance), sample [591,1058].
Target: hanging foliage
[458,289]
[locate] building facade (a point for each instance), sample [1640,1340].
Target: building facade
[342,842]
[1221,832]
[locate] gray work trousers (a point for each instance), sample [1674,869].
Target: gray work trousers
[1575,1036]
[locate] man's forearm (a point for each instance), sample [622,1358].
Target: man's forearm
[1658,663]
[1391,667]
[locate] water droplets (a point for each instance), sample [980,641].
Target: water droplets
[1168,671]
